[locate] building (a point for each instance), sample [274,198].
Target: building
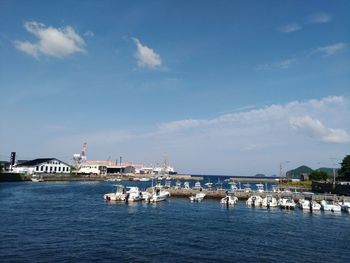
[42,166]
[104,168]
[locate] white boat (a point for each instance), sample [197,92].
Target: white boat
[198,197]
[254,200]
[133,194]
[167,184]
[275,189]
[144,179]
[330,205]
[197,186]
[311,205]
[259,188]
[119,195]
[345,204]
[286,203]
[209,185]
[246,188]
[146,196]
[233,186]
[186,185]
[37,180]
[229,200]
[269,201]
[178,185]
[159,195]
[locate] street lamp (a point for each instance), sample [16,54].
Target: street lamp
[333,164]
[281,170]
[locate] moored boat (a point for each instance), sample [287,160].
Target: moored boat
[259,188]
[311,205]
[345,204]
[286,203]
[330,205]
[269,201]
[254,200]
[133,194]
[198,197]
[197,186]
[118,195]
[229,200]
[159,195]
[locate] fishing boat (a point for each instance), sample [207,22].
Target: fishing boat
[198,197]
[186,185]
[330,205]
[345,204]
[229,200]
[145,196]
[197,186]
[246,188]
[233,186]
[159,194]
[269,201]
[286,203]
[177,184]
[254,200]
[311,205]
[118,195]
[167,184]
[133,194]
[259,188]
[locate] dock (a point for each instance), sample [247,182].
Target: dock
[242,195]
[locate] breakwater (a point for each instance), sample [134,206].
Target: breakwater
[242,195]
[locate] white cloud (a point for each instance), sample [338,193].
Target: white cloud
[331,49]
[146,57]
[290,28]
[55,42]
[317,129]
[283,64]
[89,34]
[271,113]
[320,18]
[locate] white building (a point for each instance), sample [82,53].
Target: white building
[43,166]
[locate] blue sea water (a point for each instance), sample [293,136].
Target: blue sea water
[70,222]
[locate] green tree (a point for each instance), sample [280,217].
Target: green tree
[318,176]
[344,171]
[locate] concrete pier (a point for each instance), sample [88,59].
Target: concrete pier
[218,194]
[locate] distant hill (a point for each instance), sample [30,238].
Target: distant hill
[297,172]
[260,175]
[329,171]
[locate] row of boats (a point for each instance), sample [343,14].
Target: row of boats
[134,194]
[304,204]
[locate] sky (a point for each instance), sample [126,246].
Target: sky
[219,87]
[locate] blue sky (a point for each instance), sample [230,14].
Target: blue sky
[221,87]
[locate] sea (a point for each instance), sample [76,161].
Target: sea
[70,222]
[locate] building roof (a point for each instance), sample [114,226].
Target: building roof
[39,161]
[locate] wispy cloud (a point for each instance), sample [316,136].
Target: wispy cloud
[283,64]
[330,50]
[289,28]
[319,18]
[146,57]
[89,33]
[316,128]
[55,42]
